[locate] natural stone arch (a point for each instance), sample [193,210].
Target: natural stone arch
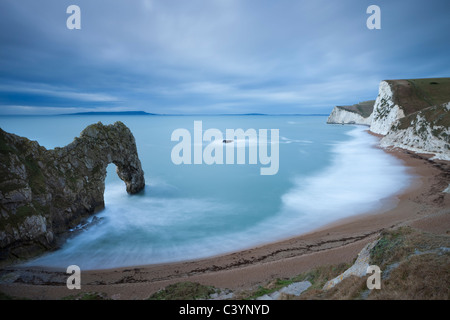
[44,192]
[112,144]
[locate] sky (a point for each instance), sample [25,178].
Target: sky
[213,56]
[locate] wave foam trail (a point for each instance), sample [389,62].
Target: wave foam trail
[360,179]
[135,230]
[162,226]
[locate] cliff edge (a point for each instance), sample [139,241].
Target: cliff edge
[360,113]
[425,131]
[44,193]
[412,114]
[399,98]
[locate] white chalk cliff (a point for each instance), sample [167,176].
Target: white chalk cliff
[405,112]
[360,113]
[422,132]
[385,111]
[343,116]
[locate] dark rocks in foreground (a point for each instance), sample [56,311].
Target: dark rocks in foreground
[44,193]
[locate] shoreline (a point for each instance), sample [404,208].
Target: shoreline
[421,205]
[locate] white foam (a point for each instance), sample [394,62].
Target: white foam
[360,179]
[140,230]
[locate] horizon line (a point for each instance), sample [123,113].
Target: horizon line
[144,113]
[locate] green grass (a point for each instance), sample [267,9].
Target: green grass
[87,296]
[416,94]
[317,277]
[183,291]
[435,90]
[421,272]
[322,274]
[390,247]
[436,117]
[420,277]
[269,288]
[4,296]
[364,108]
[423,268]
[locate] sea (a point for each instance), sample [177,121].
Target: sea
[190,211]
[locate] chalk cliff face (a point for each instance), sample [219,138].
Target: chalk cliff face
[360,113]
[385,111]
[411,114]
[400,98]
[414,115]
[44,192]
[426,131]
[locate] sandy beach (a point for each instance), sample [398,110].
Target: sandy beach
[423,206]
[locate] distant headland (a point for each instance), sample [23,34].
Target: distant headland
[112,113]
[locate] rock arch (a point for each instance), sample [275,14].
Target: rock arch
[44,193]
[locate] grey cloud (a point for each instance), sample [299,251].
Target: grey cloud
[161,55]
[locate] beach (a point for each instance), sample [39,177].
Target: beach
[422,205]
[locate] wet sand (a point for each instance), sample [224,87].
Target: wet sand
[423,205]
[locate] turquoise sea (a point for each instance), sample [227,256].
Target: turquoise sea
[326,172]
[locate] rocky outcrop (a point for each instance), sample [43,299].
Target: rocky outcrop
[356,114]
[411,114]
[386,111]
[358,269]
[294,289]
[414,115]
[44,193]
[399,98]
[426,131]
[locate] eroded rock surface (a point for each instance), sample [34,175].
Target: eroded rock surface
[412,114]
[44,193]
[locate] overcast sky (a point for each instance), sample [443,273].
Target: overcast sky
[213,56]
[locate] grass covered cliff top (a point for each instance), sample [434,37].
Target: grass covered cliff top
[364,108]
[416,94]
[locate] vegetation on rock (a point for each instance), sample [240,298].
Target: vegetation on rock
[44,193]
